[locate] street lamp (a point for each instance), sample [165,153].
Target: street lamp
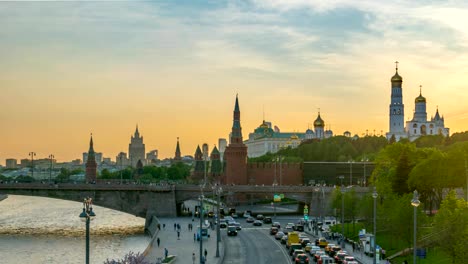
[365,160]
[87,215]
[415,203]
[274,204]
[375,195]
[32,154]
[342,211]
[51,157]
[350,172]
[201,228]
[218,190]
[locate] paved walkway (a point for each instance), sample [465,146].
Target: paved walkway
[184,247]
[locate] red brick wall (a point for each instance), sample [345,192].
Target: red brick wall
[264,173]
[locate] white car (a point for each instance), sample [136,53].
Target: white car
[289,226]
[349,259]
[313,250]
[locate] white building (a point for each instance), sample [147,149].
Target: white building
[264,139]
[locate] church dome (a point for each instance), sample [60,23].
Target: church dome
[420,99]
[319,122]
[263,125]
[309,131]
[397,78]
[294,137]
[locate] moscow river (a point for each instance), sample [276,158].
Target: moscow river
[44,230]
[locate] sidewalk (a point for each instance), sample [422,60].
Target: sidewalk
[184,247]
[358,255]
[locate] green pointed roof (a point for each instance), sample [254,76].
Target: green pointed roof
[236,107]
[198,151]
[215,150]
[91,147]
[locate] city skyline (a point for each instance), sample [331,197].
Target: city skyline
[72,68]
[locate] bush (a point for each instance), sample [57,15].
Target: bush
[129,258]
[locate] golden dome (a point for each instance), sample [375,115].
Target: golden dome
[420,98]
[294,137]
[319,122]
[397,78]
[263,125]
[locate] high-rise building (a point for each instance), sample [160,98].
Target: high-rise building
[222,143]
[205,152]
[152,156]
[121,160]
[11,163]
[136,149]
[235,154]
[91,165]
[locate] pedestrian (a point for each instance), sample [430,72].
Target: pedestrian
[354,247]
[206,253]
[194,237]
[175,226]
[383,253]
[178,235]
[159,226]
[164,226]
[158,241]
[193,257]
[178,227]
[165,252]
[188,227]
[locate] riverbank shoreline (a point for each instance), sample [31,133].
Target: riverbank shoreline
[3,197]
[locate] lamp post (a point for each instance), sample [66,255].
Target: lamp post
[51,158]
[350,172]
[364,180]
[87,215]
[32,154]
[201,228]
[218,190]
[274,204]
[415,203]
[375,195]
[342,211]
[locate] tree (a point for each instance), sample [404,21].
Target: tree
[451,225]
[399,183]
[129,258]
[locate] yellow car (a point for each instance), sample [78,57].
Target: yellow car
[308,247]
[322,242]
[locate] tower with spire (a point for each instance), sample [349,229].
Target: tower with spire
[216,167]
[319,126]
[235,154]
[198,172]
[91,165]
[177,156]
[397,108]
[136,149]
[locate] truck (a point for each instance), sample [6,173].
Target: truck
[204,231]
[293,238]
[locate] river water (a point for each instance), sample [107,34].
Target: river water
[40,230]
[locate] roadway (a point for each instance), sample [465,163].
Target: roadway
[254,245]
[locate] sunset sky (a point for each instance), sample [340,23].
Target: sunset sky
[174,68]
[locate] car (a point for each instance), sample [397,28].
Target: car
[293,247]
[339,257]
[273,230]
[247,214]
[301,259]
[289,226]
[328,248]
[318,253]
[238,226]
[279,235]
[260,217]
[257,223]
[267,220]
[325,260]
[334,250]
[223,224]
[314,249]
[299,228]
[308,246]
[276,224]
[349,259]
[305,241]
[284,239]
[231,231]
[297,252]
[322,242]
[210,214]
[250,219]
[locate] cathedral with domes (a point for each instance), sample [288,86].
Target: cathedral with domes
[419,125]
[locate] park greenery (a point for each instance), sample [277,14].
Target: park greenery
[150,174]
[435,166]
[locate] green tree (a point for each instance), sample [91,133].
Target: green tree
[451,225]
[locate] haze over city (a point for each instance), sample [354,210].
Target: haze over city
[74,68]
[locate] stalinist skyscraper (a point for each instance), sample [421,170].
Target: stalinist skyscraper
[136,149]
